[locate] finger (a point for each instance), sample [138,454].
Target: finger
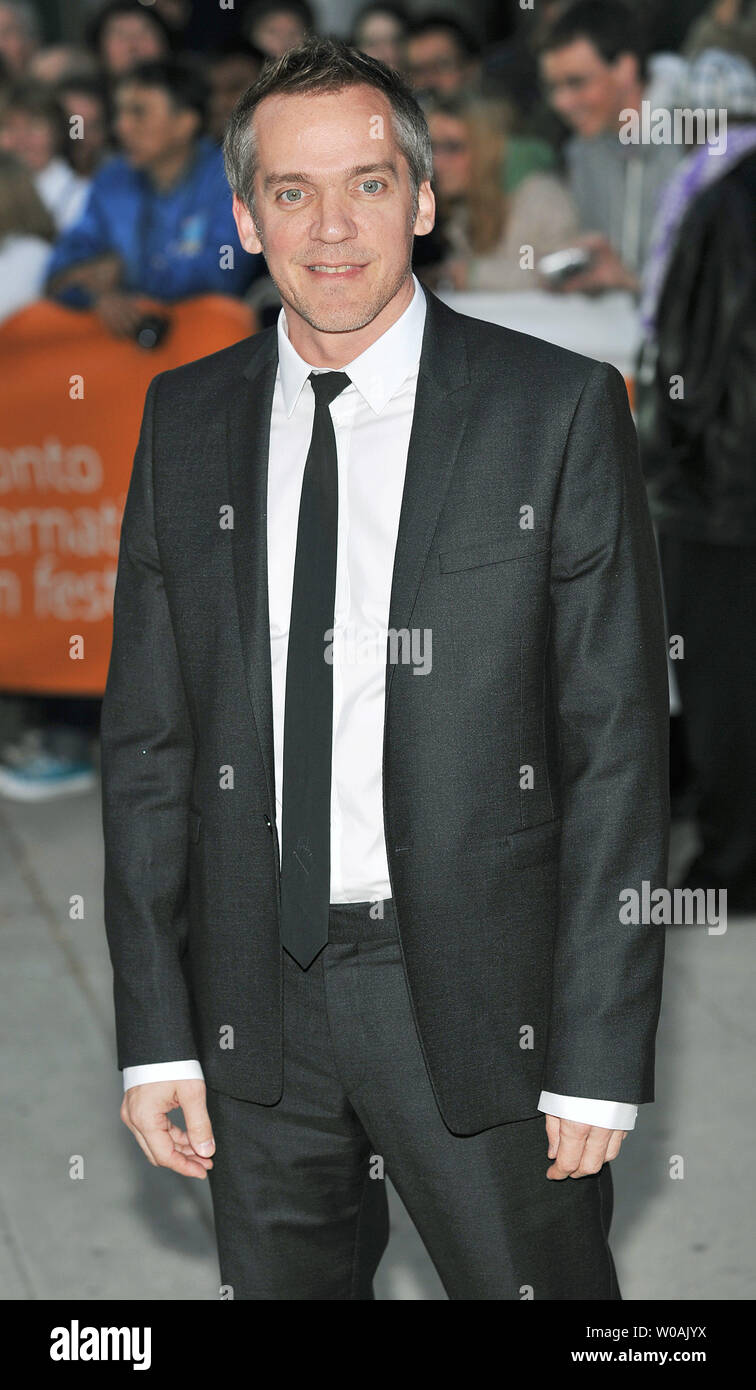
[126,320]
[188,1151]
[132,315]
[134,1127]
[615,1143]
[552,1132]
[145,1123]
[168,1156]
[199,1131]
[147,1118]
[113,323]
[181,1141]
[568,1154]
[182,1144]
[593,1156]
[118,315]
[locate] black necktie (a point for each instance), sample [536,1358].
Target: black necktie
[308,717]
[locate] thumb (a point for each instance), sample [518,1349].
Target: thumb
[191,1098]
[552,1131]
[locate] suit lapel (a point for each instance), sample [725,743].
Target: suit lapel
[248,415]
[438,424]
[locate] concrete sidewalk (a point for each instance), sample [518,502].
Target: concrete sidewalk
[129,1231]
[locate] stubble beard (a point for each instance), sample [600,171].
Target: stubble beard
[349,318]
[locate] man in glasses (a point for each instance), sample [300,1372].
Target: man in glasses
[442,57]
[594,67]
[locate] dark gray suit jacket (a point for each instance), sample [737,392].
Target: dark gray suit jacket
[548,653]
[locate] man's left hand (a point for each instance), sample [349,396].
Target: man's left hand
[606,271]
[579,1149]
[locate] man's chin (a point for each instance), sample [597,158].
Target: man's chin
[347,308]
[341,310]
[589,129]
[344,320]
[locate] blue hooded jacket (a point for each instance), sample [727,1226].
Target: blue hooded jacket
[173,244]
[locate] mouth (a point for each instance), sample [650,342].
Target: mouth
[346,271]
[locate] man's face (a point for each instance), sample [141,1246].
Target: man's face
[332,189]
[435,64]
[30,138]
[229,78]
[174,12]
[54,62]
[16,46]
[130,39]
[94,126]
[381,37]
[275,33]
[587,92]
[452,154]
[149,126]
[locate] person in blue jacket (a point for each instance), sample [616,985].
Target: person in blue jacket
[158,220]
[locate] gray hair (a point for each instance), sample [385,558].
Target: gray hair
[326,65]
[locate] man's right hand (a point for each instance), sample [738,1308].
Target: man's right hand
[145,1112]
[97,275]
[120,313]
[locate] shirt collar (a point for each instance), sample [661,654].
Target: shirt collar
[377,373]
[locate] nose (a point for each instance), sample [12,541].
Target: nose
[332,221]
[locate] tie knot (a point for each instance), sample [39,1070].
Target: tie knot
[328,385]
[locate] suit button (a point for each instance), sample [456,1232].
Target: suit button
[269,824]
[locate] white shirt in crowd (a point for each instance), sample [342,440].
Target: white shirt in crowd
[372,420]
[23,270]
[63,192]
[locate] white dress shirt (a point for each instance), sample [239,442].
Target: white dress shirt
[372,420]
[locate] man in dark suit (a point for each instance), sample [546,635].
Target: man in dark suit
[383,741]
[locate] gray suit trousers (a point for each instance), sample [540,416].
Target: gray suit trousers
[298,1188]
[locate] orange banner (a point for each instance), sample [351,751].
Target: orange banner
[71,399]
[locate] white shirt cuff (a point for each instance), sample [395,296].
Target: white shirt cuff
[162,1071]
[608,1114]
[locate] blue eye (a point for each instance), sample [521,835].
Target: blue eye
[378,183]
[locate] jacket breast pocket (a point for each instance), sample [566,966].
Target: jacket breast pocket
[536,845]
[195,825]
[492,552]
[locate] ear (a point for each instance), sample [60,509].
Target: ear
[190,122]
[246,227]
[426,210]
[626,69]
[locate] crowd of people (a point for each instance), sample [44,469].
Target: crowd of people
[112,187]
[112,182]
